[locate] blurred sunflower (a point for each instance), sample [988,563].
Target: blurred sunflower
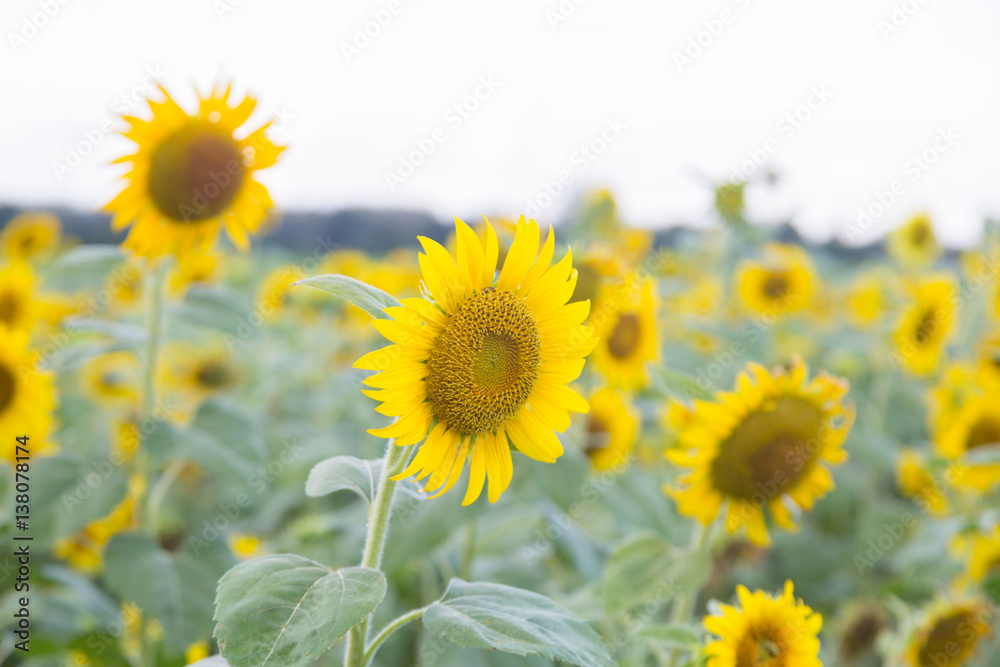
[765,631]
[21,307]
[972,427]
[111,379]
[730,201]
[29,235]
[190,176]
[916,481]
[783,282]
[274,294]
[245,545]
[914,245]
[480,363]
[925,327]
[859,632]
[126,285]
[197,651]
[625,322]
[596,266]
[27,394]
[949,636]
[981,553]
[761,444]
[612,426]
[195,268]
[195,372]
[866,301]
[84,550]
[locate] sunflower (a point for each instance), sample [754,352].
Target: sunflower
[612,426]
[197,651]
[625,321]
[27,394]
[245,545]
[927,325]
[20,306]
[126,286]
[111,379]
[916,481]
[762,444]
[195,268]
[190,175]
[199,372]
[981,552]
[765,631]
[29,235]
[481,362]
[783,282]
[973,426]
[866,301]
[949,636]
[274,294]
[914,245]
[730,201]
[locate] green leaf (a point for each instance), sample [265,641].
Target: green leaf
[678,385]
[368,298]
[673,635]
[215,307]
[642,566]
[224,438]
[131,334]
[66,495]
[91,257]
[348,473]
[288,610]
[503,618]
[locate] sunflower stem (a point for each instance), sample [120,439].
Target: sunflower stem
[389,629]
[378,529]
[156,285]
[684,606]
[469,551]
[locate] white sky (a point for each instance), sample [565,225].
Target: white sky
[351,121]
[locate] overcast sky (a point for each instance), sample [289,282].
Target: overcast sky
[655,100]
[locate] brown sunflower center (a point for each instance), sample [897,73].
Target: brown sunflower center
[485,363]
[950,641]
[860,635]
[195,173]
[927,327]
[113,379]
[776,286]
[920,235]
[8,388]
[761,647]
[770,450]
[213,375]
[984,432]
[598,435]
[625,337]
[10,308]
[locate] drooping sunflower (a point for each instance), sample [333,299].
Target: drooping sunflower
[765,631]
[27,394]
[926,326]
[950,635]
[30,235]
[981,553]
[914,244]
[612,426]
[191,175]
[782,282]
[481,363]
[195,372]
[973,426]
[111,379]
[625,321]
[762,444]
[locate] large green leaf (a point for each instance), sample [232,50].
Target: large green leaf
[67,495]
[366,297]
[287,610]
[91,257]
[225,439]
[640,570]
[503,618]
[215,307]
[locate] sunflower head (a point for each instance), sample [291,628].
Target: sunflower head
[18,306]
[914,244]
[782,282]
[111,379]
[765,631]
[195,268]
[482,361]
[612,427]
[625,321]
[27,394]
[195,373]
[30,235]
[950,635]
[192,174]
[866,302]
[763,445]
[974,426]
[927,325]
[917,482]
[859,634]
[730,201]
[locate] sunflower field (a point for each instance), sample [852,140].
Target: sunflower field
[520,442]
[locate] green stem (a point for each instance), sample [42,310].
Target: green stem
[156,288]
[685,603]
[378,529]
[159,492]
[389,629]
[470,551]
